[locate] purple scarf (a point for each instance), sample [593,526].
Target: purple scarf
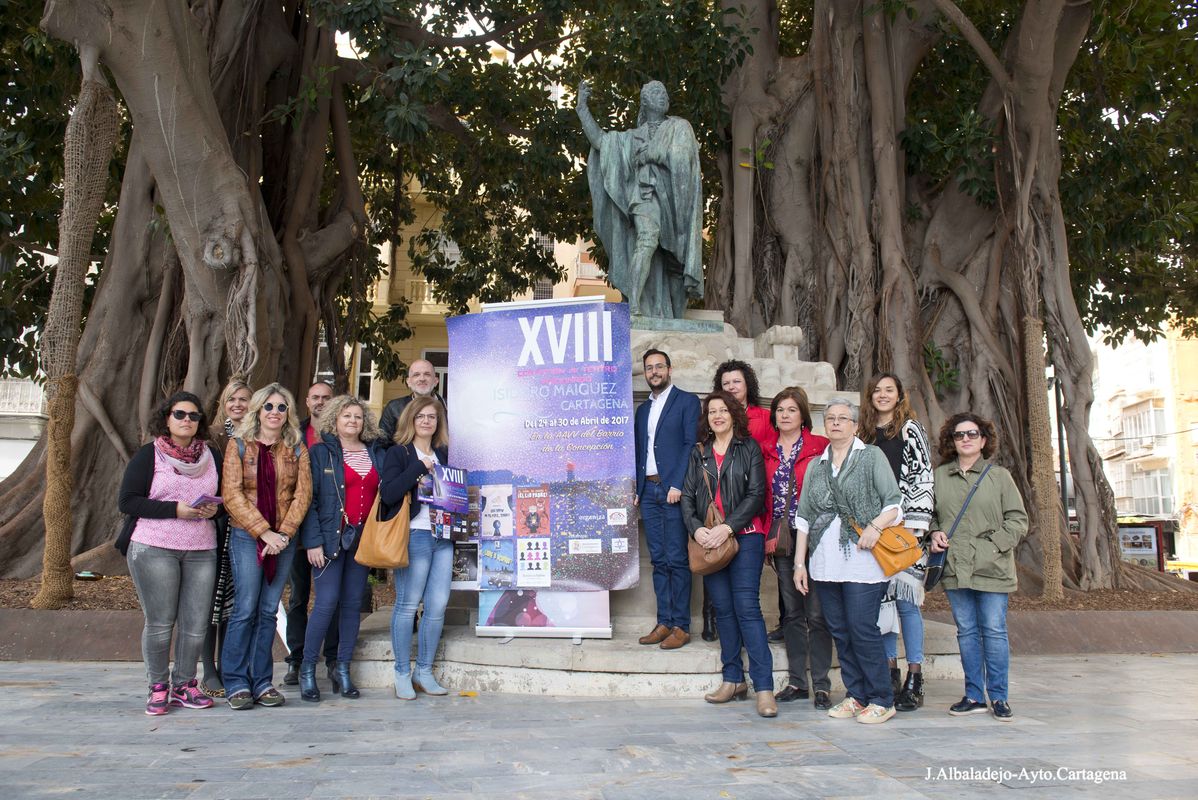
[267,505]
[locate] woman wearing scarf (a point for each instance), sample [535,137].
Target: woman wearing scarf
[849,496]
[267,488]
[172,551]
[230,410]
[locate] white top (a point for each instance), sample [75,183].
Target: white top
[828,562]
[656,404]
[422,521]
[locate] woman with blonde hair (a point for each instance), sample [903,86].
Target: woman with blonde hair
[230,411]
[421,442]
[346,465]
[267,486]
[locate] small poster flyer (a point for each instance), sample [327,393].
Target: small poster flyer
[496,564]
[532,511]
[495,510]
[446,490]
[465,566]
[533,563]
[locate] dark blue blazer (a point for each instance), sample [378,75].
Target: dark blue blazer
[677,429]
[322,526]
[402,471]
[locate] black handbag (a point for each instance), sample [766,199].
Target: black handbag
[935,569]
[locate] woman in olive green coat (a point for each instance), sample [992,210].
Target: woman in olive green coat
[979,570]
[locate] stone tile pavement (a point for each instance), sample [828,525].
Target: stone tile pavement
[72,729]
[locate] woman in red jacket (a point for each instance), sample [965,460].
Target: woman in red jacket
[803,626]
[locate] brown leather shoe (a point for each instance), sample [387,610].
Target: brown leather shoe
[728,691]
[766,705]
[676,639]
[655,636]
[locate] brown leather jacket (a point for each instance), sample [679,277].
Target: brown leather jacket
[293,488]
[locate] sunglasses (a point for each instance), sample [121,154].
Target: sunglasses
[972,434]
[194,416]
[281,407]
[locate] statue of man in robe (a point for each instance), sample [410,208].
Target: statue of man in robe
[647,202]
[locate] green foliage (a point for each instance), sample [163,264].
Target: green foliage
[945,377]
[964,151]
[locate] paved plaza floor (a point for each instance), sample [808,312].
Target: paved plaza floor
[1130,722]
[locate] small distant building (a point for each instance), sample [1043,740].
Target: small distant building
[22,420]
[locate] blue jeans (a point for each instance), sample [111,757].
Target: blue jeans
[851,611]
[340,585]
[426,577]
[735,592]
[981,619]
[246,660]
[911,621]
[665,535]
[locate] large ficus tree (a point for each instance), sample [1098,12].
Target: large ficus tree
[906,180]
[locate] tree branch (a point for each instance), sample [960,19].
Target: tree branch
[963,24]
[416,33]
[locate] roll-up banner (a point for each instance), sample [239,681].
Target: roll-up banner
[542,422]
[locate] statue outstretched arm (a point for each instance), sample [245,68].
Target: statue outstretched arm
[589,126]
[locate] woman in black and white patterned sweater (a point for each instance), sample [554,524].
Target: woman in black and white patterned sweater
[888,422]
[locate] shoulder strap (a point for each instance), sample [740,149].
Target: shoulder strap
[968,497]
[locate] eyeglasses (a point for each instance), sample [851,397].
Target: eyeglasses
[971,434]
[838,420]
[426,417]
[281,407]
[194,416]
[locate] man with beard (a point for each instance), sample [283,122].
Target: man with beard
[422,381]
[666,427]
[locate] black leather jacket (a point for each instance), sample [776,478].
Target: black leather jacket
[742,485]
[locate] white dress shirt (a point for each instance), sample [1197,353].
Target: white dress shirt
[656,404]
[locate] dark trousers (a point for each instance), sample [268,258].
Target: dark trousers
[336,613]
[300,581]
[735,592]
[806,632]
[665,536]
[851,611]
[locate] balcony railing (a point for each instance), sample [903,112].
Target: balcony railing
[21,397]
[420,297]
[590,270]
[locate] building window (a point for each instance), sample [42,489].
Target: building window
[1152,492]
[542,289]
[324,364]
[440,361]
[545,243]
[365,373]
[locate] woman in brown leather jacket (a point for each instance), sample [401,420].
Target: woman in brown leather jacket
[267,499]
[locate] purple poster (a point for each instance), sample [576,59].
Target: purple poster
[541,419]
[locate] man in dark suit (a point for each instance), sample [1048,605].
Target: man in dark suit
[666,428]
[422,382]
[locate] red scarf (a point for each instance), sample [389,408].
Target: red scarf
[188,455]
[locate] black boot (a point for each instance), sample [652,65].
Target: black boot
[292,676]
[911,695]
[710,631]
[332,672]
[307,683]
[896,680]
[346,683]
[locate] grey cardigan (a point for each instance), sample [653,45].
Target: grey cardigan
[866,484]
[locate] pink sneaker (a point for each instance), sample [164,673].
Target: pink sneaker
[158,704]
[189,696]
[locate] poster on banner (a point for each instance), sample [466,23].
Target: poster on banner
[445,490]
[543,425]
[465,566]
[537,612]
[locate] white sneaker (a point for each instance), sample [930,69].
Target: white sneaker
[875,714]
[846,709]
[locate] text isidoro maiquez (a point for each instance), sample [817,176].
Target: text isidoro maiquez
[1002,774]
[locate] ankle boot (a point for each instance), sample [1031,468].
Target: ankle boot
[710,631]
[345,683]
[767,706]
[728,691]
[896,680]
[911,695]
[424,681]
[307,682]
[403,686]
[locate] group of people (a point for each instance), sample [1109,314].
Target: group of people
[221,518]
[814,507]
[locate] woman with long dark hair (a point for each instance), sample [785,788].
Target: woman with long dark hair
[726,467]
[888,422]
[168,494]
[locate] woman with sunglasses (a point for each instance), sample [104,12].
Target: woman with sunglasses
[267,487]
[979,570]
[168,493]
[230,411]
[346,465]
[421,442]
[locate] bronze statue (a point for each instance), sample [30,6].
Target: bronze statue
[648,204]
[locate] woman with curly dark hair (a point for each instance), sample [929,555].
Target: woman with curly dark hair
[726,467]
[168,493]
[979,570]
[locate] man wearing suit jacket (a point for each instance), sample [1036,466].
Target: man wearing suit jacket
[666,428]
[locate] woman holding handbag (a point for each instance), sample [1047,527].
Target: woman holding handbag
[346,465]
[422,441]
[850,485]
[987,516]
[725,485]
[806,633]
[888,422]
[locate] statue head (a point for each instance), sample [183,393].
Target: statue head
[653,98]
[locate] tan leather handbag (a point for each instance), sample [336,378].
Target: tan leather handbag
[897,549]
[706,560]
[384,543]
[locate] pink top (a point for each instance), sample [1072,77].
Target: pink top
[170,486]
